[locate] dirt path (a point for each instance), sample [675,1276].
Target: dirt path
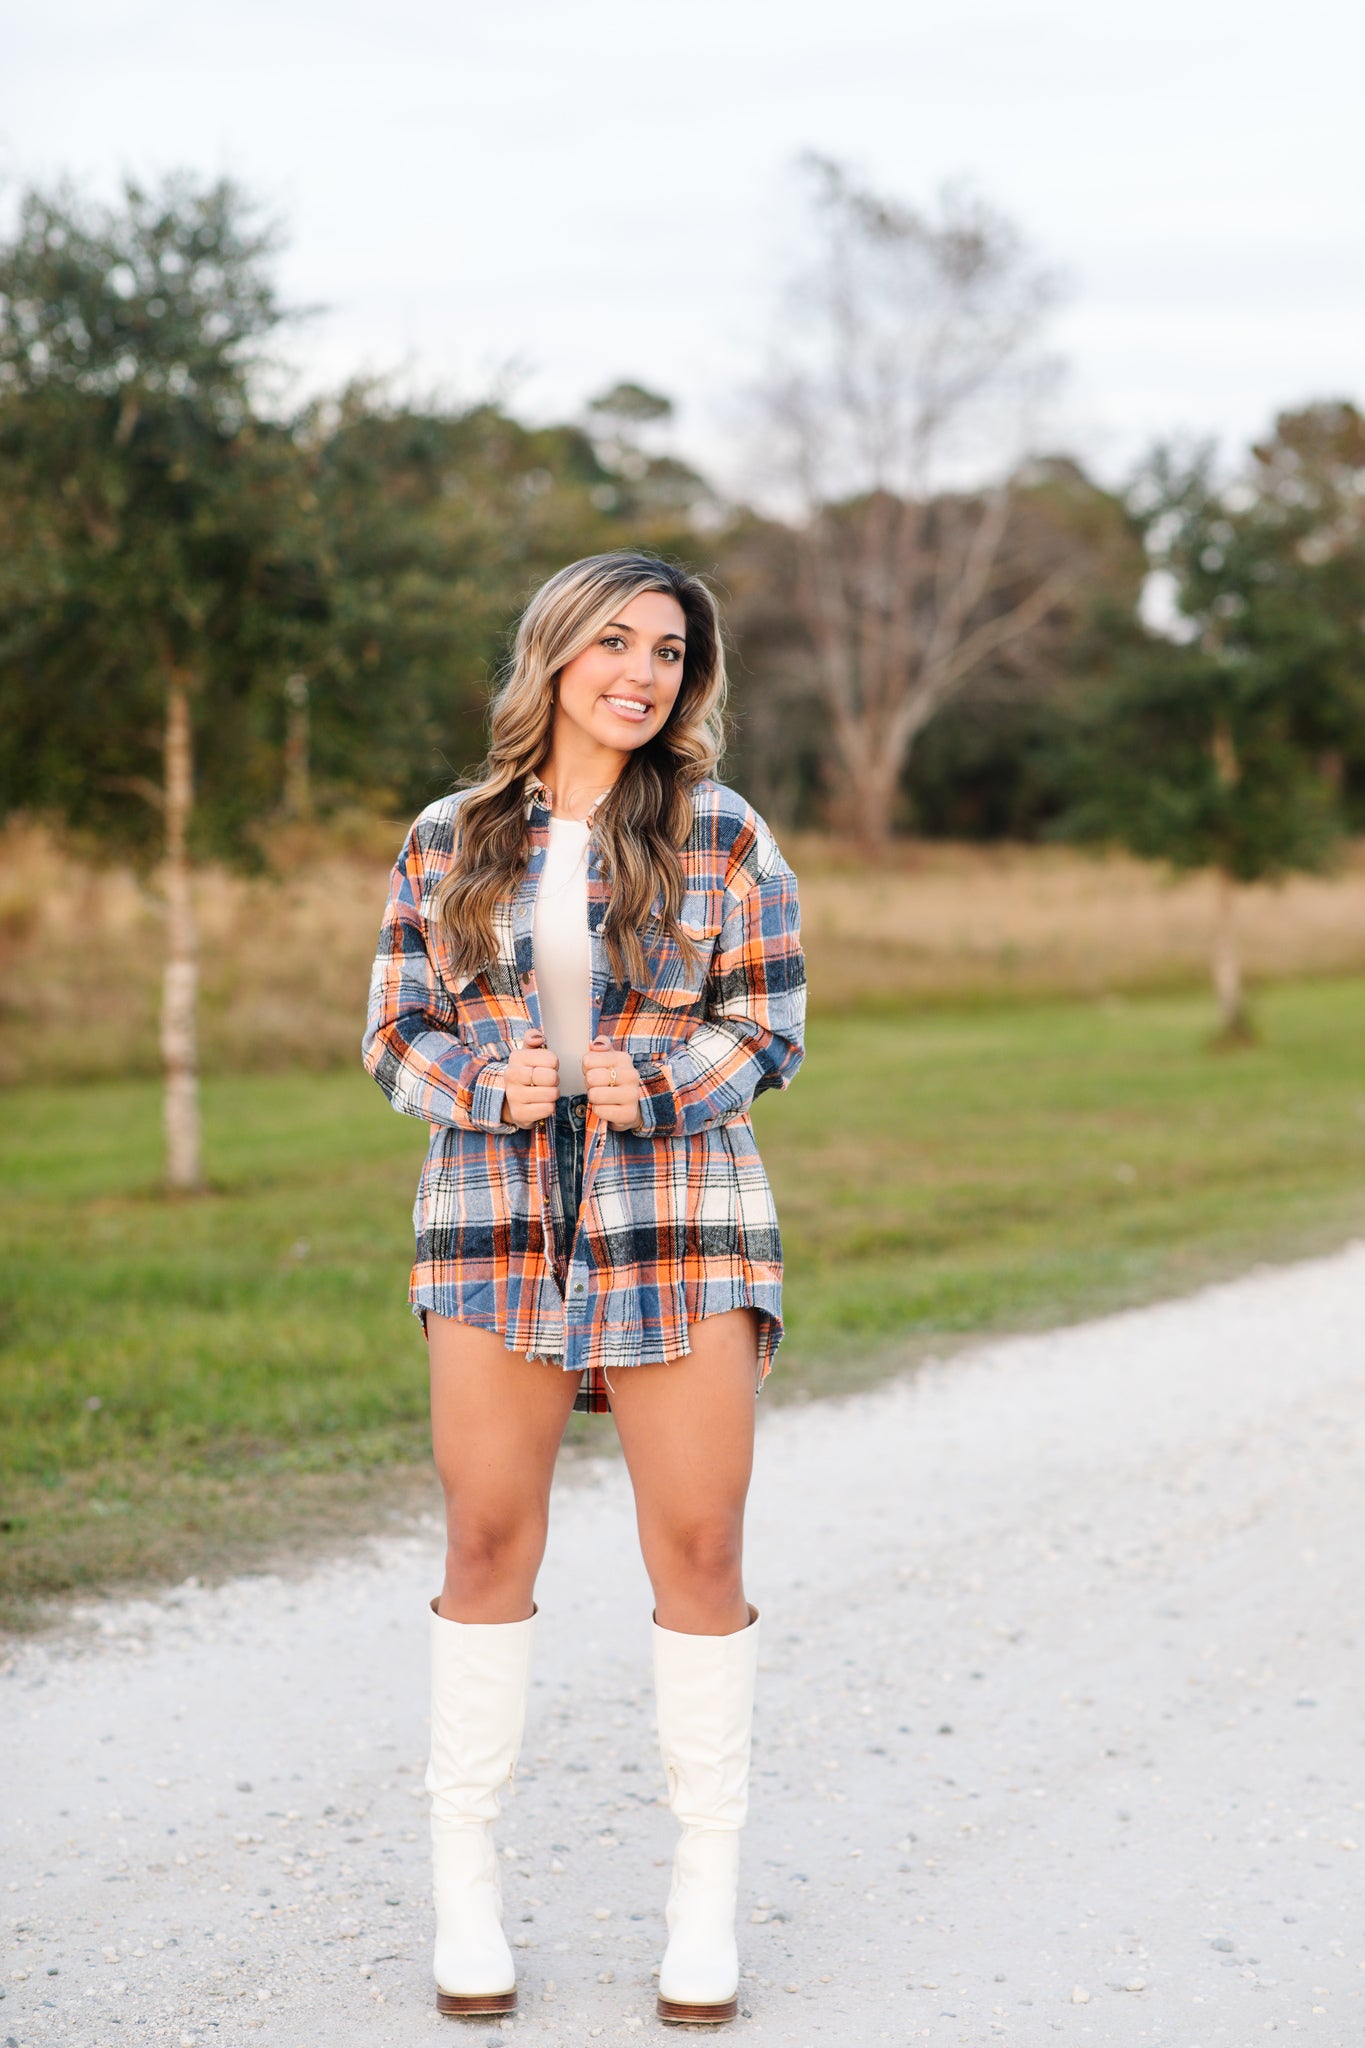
[1060,1734]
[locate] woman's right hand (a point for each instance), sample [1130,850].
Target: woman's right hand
[531,1083]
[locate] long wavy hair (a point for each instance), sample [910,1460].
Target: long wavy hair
[643,822]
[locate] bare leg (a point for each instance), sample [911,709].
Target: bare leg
[687,1430]
[496,1423]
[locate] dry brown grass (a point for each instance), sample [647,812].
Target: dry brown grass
[943,922]
[286,958]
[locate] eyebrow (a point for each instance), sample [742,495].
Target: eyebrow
[615,626]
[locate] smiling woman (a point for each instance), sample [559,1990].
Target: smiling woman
[600,640]
[632,671]
[589,967]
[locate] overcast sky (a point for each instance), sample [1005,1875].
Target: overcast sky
[595,190]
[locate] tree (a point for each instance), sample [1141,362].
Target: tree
[992,763]
[432,527]
[435,526]
[777,752]
[1206,749]
[644,487]
[145,505]
[1293,580]
[908,364]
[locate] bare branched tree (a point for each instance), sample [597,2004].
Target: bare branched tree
[909,369]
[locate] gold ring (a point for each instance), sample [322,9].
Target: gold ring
[611,1078]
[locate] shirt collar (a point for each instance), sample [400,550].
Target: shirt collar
[538,793]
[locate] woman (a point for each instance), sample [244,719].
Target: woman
[589,967]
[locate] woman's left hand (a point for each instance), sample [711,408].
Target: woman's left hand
[613,1084]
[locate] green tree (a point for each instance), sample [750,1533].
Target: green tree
[647,488]
[1281,577]
[434,527]
[1206,749]
[147,565]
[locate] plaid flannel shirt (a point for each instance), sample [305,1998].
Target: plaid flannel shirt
[677,1221]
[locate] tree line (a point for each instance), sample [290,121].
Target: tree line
[216,607]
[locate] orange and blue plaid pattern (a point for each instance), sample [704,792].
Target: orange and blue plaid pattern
[678,1220]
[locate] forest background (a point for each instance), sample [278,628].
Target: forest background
[242,642]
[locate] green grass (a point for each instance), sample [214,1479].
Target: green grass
[187,1383]
[1014,1167]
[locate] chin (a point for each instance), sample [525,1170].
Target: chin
[633,736]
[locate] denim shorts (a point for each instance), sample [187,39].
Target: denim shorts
[571,1142]
[571,1126]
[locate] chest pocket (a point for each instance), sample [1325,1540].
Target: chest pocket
[482,996]
[673,979]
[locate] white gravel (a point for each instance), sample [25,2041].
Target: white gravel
[1060,1734]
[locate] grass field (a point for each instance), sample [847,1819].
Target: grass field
[190,1385]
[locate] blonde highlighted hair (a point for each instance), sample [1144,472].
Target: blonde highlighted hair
[643,823]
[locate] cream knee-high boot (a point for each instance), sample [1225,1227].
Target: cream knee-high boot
[479,1677]
[705,1691]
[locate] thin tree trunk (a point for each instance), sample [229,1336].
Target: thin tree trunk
[179,1045]
[888,657]
[1227,964]
[872,797]
[298,796]
[865,781]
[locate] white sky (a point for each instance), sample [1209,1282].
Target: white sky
[600,190]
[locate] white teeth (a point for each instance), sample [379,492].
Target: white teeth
[630,705]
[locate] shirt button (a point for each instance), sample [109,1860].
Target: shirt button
[578,1287]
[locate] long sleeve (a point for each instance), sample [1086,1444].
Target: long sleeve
[411,1044]
[751,1035]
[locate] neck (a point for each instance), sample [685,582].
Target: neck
[577,769]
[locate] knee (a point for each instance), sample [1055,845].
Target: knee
[706,1553]
[482,1549]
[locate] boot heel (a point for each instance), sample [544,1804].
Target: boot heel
[456,2006]
[681,2015]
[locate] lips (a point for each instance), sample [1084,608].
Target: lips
[628,707]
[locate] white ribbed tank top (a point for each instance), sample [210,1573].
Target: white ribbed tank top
[561,951]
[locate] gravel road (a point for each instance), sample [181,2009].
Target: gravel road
[1059,1737]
